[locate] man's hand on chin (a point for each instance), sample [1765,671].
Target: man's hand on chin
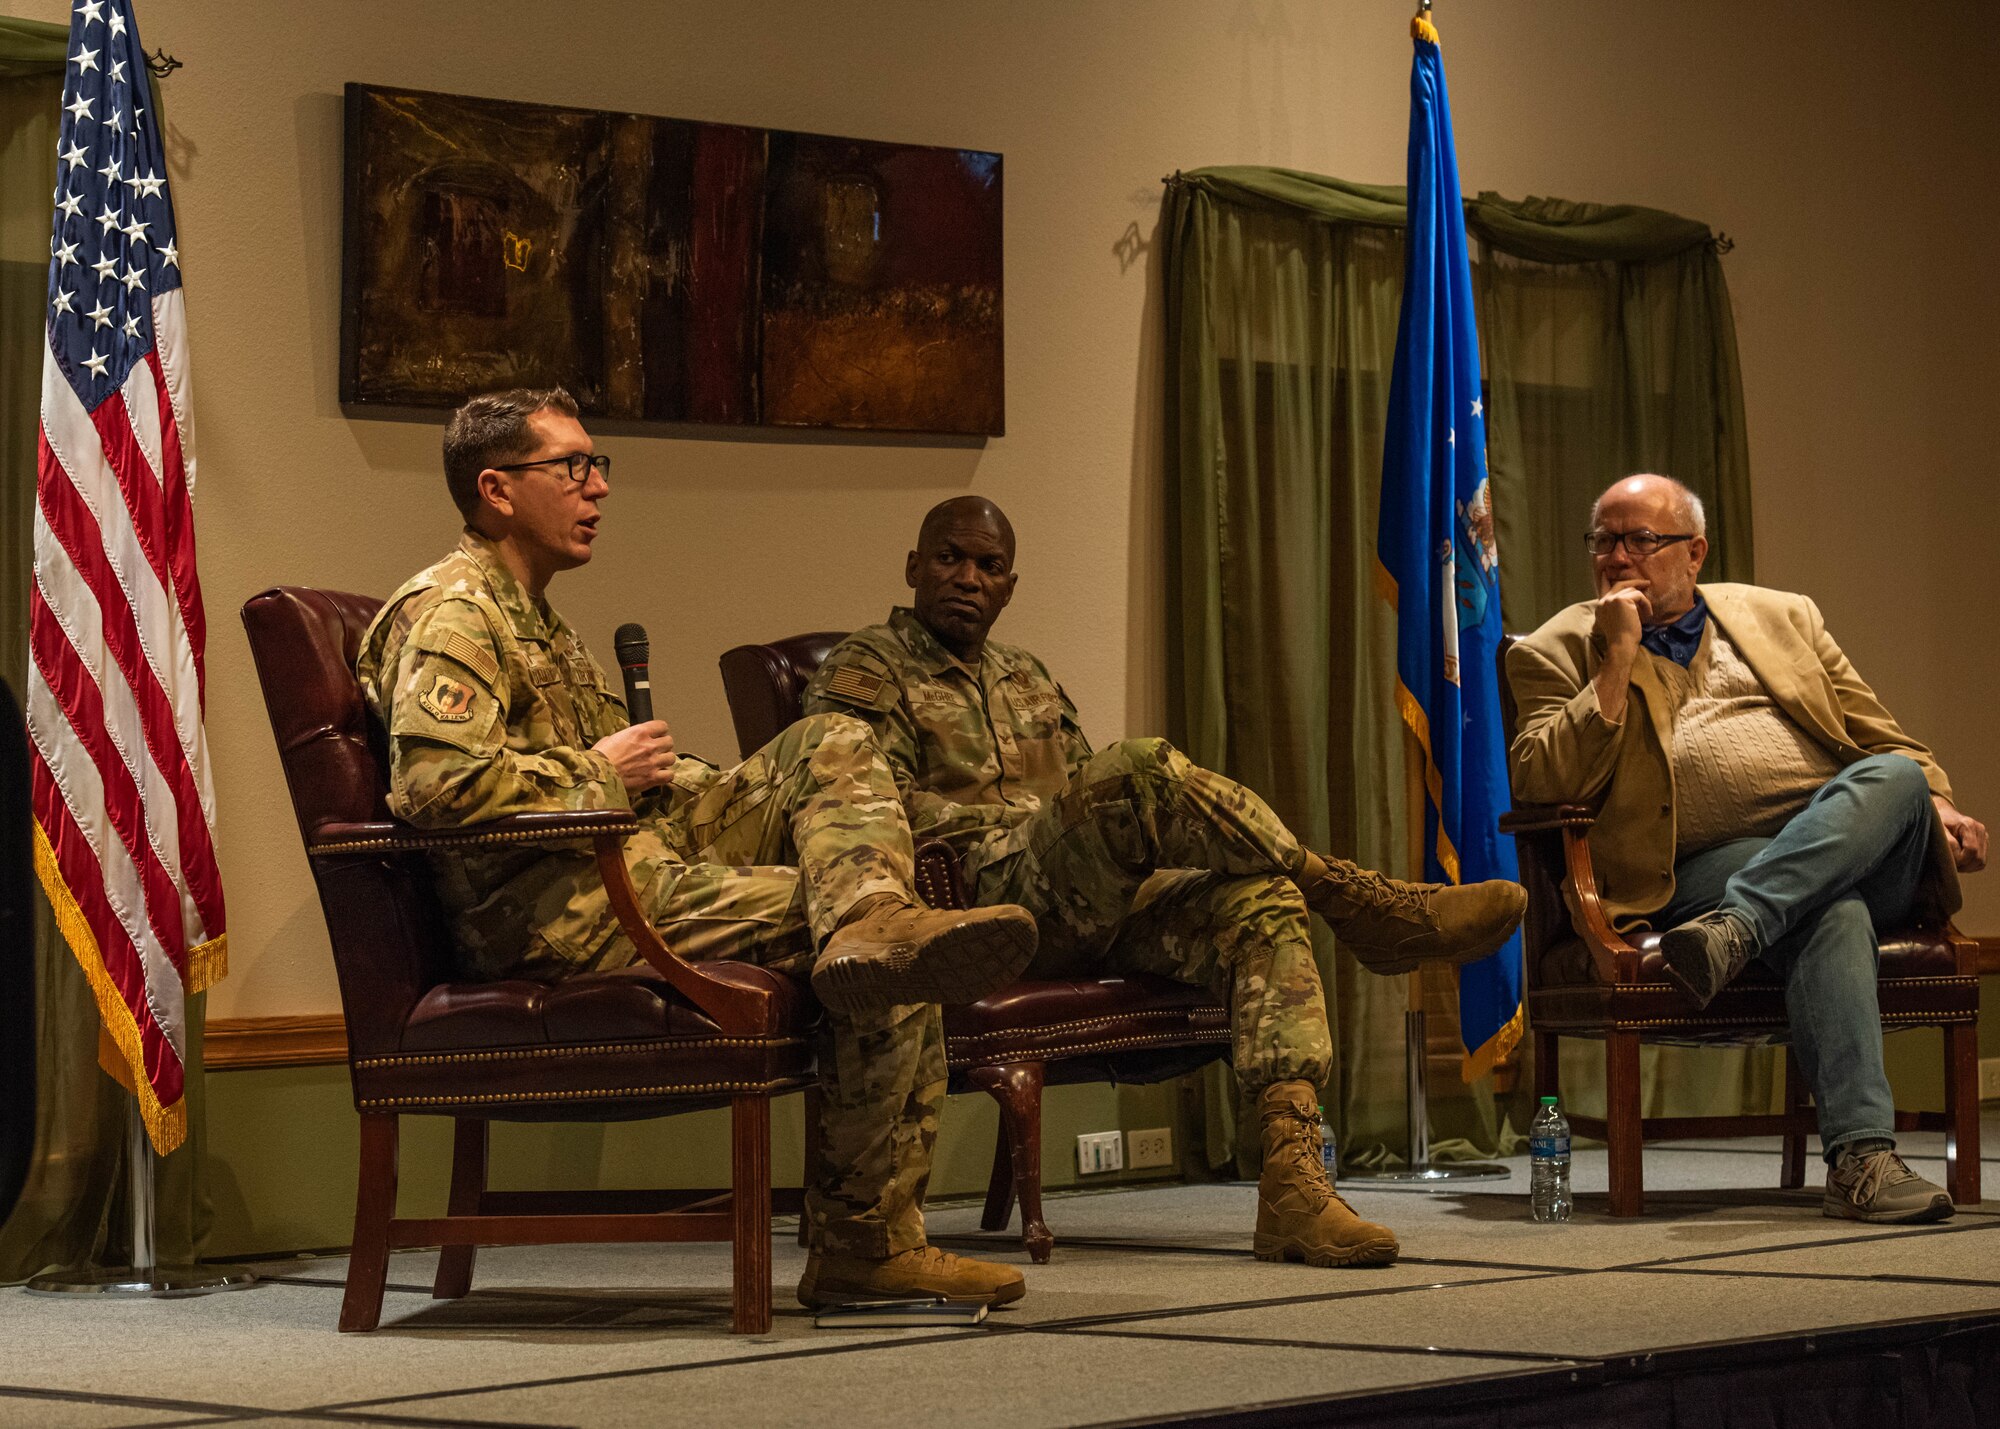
[1967,835]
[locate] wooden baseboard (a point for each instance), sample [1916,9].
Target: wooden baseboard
[231,1044]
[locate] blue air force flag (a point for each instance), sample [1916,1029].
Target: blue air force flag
[1439,559]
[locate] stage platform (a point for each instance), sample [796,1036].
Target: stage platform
[1153,1309]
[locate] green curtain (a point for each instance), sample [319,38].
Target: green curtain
[74,1212]
[1609,349]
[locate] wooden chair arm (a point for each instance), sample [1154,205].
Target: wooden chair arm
[739,1010]
[395,836]
[1541,818]
[1967,950]
[1615,959]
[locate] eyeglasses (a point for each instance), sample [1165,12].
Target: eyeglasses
[580,465]
[1639,543]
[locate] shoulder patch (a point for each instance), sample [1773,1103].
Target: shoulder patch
[856,685]
[447,699]
[471,654]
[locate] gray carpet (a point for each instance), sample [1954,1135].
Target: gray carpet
[1151,1307]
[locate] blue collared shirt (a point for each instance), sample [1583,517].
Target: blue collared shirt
[1678,642]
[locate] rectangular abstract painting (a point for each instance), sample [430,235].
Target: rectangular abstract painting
[667,270]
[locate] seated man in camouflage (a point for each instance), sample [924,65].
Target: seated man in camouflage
[989,757]
[800,858]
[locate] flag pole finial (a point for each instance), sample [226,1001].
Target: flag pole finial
[1421,27]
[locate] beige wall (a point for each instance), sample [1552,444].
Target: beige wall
[1849,152]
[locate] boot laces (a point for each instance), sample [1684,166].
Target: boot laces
[930,1257]
[1367,886]
[1302,1145]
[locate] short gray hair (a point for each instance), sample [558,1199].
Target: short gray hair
[1692,511]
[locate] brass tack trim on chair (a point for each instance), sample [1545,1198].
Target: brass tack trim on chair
[581,1049]
[1084,1024]
[401,842]
[1036,1054]
[671,1089]
[1920,1019]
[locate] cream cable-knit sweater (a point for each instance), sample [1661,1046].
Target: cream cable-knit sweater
[1741,765]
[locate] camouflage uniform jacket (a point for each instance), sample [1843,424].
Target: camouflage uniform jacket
[492,704]
[975,749]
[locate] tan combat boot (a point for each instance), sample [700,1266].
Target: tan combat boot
[925,1273]
[1299,1214]
[904,953]
[1391,926]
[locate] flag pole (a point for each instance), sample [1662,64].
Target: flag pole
[144,1277]
[1420,1173]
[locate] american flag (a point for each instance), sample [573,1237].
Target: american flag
[124,807]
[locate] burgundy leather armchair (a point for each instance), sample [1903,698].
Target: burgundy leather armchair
[661,1037]
[1585,979]
[1134,1028]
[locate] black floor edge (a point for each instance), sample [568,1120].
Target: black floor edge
[1545,1390]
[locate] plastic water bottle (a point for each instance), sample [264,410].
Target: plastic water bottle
[1329,1157]
[1548,1150]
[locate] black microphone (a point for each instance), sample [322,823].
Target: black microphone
[633,653]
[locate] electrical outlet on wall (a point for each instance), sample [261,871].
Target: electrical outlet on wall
[1152,1148]
[1989,1078]
[1100,1151]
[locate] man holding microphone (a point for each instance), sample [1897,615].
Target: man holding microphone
[800,858]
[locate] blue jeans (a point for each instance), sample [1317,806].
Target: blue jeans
[1847,864]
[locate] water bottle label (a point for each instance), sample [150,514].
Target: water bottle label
[1549,1146]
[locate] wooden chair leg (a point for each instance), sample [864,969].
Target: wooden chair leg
[1622,1135]
[815,1105]
[374,1206]
[750,1198]
[1961,1110]
[1017,1087]
[468,1183]
[1793,1176]
[1548,1065]
[1000,1185]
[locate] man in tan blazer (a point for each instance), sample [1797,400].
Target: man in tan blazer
[1753,797]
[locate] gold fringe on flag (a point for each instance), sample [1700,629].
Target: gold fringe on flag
[1421,28]
[166,1126]
[1483,1059]
[1419,725]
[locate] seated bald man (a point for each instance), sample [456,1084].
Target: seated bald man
[988,754]
[1754,798]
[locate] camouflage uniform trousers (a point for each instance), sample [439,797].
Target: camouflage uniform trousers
[1145,862]
[818,797]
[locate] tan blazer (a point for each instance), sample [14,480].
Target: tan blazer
[1567,752]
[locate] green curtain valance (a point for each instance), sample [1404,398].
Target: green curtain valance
[1546,230]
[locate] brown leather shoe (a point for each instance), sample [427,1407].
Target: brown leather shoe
[1391,926]
[925,1273]
[920,955]
[1299,1214]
